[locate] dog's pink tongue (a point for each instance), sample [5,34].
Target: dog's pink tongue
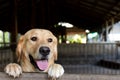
[42,64]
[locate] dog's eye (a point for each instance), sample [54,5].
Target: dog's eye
[50,40]
[34,38]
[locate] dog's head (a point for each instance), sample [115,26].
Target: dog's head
[39,47]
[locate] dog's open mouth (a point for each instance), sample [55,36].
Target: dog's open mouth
[41,64]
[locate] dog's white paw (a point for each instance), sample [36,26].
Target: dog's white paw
[55,71]
[13,69]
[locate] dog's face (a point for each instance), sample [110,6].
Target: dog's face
[38,46]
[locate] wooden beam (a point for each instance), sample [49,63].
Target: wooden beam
[42,76]
[109,14]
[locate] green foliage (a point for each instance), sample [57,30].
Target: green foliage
[4,38]
[7,37]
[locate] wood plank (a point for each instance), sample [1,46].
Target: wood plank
[43,76]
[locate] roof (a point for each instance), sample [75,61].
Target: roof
[86,14]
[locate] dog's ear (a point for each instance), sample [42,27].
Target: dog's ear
[19,48]
[55,50]
[55,53]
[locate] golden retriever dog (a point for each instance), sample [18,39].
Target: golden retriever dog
[36,51]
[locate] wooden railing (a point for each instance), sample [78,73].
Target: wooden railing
[42,76]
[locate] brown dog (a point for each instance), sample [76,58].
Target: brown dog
[36,51]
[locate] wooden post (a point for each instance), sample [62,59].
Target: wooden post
[14,25]
[16,21]
[106,31]
[33,14]
[44,14]
[4,39]
[112,21]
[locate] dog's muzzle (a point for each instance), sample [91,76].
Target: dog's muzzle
[41,63]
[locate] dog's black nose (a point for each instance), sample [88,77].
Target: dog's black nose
[44,50]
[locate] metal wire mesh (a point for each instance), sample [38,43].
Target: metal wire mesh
[92,58]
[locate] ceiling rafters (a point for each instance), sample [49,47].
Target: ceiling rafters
[91,9]
[81,12]
[112,10]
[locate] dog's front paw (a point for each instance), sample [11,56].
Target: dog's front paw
[13,69]
[55,71]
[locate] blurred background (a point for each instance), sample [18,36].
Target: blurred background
[88,31]
[72,21]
